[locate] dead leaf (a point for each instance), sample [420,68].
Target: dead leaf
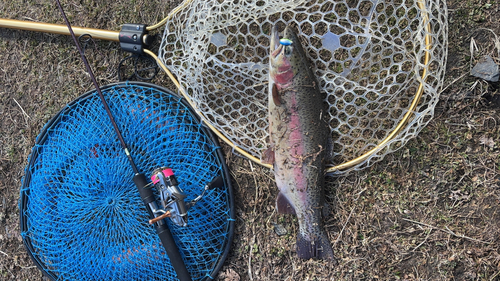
[457,195]
[229,275]
[487,141]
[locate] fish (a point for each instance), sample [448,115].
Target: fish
[299,141]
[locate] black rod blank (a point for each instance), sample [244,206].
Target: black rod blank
[96,85]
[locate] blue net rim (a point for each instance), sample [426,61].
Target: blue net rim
[25,191]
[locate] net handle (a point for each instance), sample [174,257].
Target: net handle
[101,34]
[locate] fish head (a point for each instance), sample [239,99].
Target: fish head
[285,56]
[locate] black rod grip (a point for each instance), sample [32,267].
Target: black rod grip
[147,195]
[173,252]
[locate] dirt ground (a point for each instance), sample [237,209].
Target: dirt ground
[430,211]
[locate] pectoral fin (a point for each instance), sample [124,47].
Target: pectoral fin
[276,95]
[283,205]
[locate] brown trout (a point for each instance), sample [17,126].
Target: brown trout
[298,142]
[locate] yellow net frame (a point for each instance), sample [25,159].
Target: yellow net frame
[340,167]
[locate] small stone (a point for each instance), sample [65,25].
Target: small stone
[486,69]
[279,229]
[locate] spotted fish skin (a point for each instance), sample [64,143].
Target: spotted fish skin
[299,138]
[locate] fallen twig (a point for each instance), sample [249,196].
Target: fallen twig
[340,234]
[453,82]
[24,112]
[447,230]
[425,240]
[250,258]
[256,187]
[494,276]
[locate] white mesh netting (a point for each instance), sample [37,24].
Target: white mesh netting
[374,59]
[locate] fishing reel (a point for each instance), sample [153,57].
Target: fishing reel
[172,198]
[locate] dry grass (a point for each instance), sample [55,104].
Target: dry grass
[427,212]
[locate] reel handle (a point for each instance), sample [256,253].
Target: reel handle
[163,232]
[159,218]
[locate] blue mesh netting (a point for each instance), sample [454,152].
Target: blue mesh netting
[81,214]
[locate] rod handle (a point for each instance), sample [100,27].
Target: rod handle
[173,252]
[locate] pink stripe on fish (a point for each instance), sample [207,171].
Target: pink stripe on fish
[297,148]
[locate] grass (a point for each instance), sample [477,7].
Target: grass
[429,211]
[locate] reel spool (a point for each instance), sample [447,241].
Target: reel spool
[81,215]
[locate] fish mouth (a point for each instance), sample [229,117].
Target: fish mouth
[286,32]
[275,42]
[275,39]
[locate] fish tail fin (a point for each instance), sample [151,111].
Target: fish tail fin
[319,249]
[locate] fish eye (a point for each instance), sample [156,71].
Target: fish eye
[288,50]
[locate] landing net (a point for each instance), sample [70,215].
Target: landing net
[81,214]
[380,63]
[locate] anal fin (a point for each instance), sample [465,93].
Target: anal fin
[283,205]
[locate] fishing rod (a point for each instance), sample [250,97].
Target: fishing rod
[172,197]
